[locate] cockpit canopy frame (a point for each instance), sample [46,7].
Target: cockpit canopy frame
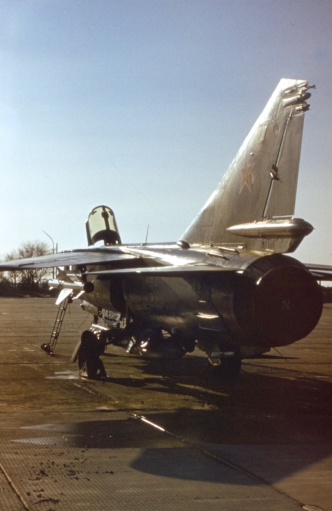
[101,226]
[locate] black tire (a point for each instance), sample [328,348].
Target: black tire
[87,353]
[92,369]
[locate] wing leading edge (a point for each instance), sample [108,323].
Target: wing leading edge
[162,271]
[70,258]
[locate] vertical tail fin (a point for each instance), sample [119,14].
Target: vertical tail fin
[262,179]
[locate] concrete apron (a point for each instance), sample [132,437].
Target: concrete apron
[112,461]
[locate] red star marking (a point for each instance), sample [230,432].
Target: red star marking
[246,180]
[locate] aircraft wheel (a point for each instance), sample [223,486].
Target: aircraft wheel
[92,369]
[87,353]
[74,356]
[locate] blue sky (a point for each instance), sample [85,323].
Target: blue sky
[141,105]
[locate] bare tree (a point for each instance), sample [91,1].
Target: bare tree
[28,279]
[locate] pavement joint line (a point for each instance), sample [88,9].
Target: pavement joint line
[84,388]
[13,486]
[209,454]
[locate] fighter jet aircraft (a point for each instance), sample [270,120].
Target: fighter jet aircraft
[226,286]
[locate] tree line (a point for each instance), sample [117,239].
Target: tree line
[26,281]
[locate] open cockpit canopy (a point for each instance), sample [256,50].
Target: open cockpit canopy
[101,226]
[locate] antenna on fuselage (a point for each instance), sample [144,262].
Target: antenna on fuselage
[146,237]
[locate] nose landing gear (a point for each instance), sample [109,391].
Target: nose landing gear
[87,352]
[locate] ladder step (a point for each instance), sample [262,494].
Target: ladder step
[49,348]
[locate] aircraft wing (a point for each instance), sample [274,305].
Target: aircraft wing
[69,258]
[162,271]
[320,271]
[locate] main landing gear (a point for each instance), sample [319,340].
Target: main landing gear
[87,353]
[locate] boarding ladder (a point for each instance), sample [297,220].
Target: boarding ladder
[50,346]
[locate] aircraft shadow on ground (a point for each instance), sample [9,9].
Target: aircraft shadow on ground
[277,424]
[258,408]
[258,441]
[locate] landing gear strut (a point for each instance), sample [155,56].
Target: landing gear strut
[87,353]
